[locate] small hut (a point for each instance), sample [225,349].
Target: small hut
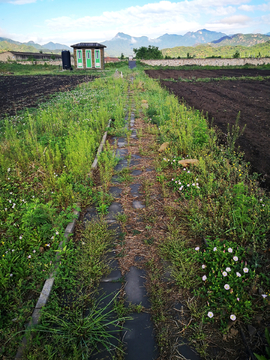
[88,55]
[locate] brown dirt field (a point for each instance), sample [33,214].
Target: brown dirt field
[202,74]
[223,100]
[19,92]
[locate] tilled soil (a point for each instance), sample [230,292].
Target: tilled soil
[223,100]
[202,74]
[19,92]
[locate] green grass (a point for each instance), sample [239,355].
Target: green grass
[75,322]
[218,200]
[14,68]
[45,163]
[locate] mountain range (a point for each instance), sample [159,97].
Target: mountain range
[123,43]
[31,46]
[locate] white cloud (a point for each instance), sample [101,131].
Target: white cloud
[261,7]
[18,2]
[247,8]
[157,18]
[231,24]
[236,20]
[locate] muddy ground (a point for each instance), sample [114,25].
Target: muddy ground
[19,92]
[223,100]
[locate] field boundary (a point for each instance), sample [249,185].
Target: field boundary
[208,62]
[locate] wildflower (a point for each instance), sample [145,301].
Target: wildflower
[210,314]
[8,170]
[264,296]
[184,169]
[235,258]
[238,274]
[230,250]
[233,317]
[226,286]
[187,185]
[29,256]
[228,269]
[20,237]
[188,172]
[203,266]
[10,275]
[34,251]
[215,249]
[224,273]
[197,248]
[52,237]
[238,299]
[57,233]
[245,270]
[48,245]
[204,277]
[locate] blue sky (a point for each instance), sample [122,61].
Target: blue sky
[71,21]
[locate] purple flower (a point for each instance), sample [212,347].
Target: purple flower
[215,249]
[245,270]
[235,258]
[224,273]
[197,248]
[203,266]
[228,269]
[233,317]
[230,250]
[238,274]
[204,277]
[226,286]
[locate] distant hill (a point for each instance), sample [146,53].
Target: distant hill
[241,39]
[268,34]
[8,46]
[123,43]
[208,50]
[31,46]
[56,46]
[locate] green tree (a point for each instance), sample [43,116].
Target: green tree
[236,55]
[151,52]
[122,56]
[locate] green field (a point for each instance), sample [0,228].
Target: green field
[215,205]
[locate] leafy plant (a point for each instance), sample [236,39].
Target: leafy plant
[227,279]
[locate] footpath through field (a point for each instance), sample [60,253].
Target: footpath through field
[134,215]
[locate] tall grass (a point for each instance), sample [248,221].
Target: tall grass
[45,162]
